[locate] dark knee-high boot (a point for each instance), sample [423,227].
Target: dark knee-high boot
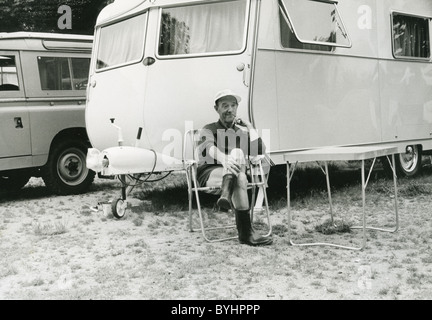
[224,201]
[246,233]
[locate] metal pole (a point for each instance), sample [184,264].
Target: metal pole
[329,191]
[364,202]
[289,201]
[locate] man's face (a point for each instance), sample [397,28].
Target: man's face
[227,109]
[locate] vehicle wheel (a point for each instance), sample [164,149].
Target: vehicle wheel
[13,181]
[118,208]
[66,171]
[409,163]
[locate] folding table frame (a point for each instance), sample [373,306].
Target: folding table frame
[342,154]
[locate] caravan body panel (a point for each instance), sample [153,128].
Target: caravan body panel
[359,95]
[355,87]
[169,91]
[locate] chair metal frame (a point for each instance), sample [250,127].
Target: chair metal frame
[258,180]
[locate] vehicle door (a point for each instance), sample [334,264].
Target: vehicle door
[116,91]
[14,116]
[192,52]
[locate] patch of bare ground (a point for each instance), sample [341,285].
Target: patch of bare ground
[56,247]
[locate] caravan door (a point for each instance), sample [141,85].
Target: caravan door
[193,52]
[117,82]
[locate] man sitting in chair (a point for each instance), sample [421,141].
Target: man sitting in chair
[222,149]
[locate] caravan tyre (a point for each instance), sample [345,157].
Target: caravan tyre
[66,171]
[409,163]
[118,208]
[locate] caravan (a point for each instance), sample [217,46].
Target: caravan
[312,73]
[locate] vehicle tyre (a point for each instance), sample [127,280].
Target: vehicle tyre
[118,208]
[13,181]
[66,171]
[408,164]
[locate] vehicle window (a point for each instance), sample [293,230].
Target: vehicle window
[54,73]
[58,73]
[312,22]
[410,36]
[8,74]
[203,28]
[121,43]
[80,70]
[289,39]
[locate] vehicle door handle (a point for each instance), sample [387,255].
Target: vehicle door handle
[246,73]
[149,61]
[18,123]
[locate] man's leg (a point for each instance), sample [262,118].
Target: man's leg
[242,209]
[227,181]
[224,200]
[240,199]
[216,177]
[247,234]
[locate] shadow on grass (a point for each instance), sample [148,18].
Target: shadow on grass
[312,179]
[172,194]
[308,181]
[28,193]
[167,195]
[36,189]
[174,198]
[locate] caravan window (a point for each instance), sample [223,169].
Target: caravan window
[410,36]
[8,74]
[289,39]
[310,24]
[203,29]
[57,73]
[121,43]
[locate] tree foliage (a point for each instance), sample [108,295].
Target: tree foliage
[43,16]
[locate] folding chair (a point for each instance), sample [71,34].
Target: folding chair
[255,172]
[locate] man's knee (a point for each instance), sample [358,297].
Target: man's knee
[215,178]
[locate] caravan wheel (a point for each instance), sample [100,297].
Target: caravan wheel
[409,163]
[118,208]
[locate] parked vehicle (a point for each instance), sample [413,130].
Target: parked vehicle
[312,73]
[43,81]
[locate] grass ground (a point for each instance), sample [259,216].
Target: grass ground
[55,247]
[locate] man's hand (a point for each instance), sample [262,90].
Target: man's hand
[231,165]
[253,133]
[244,123]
